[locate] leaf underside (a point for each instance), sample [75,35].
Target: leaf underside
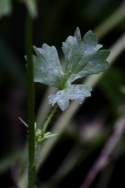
[73,92]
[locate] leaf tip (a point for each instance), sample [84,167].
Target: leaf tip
[77,34]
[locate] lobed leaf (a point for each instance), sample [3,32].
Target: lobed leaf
[82,57]
[47,67]
[70,93]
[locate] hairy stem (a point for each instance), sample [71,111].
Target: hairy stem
[30,104]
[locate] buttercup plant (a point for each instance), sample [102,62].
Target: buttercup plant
[82,57]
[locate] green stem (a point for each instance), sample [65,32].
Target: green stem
[48,120]
[44,107]
[30,103]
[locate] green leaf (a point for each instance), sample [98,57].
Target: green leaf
[82,57]
[47,67]
[95,64]
[70,93]
[5,7]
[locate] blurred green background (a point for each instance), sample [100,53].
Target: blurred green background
[71,157]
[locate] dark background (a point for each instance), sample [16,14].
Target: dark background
[56,20]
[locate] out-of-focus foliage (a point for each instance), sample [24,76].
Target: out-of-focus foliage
[5,7]
[112,85]
[31,6]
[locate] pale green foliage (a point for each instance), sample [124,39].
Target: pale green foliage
[5,7]
[82,57]
[47,67]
